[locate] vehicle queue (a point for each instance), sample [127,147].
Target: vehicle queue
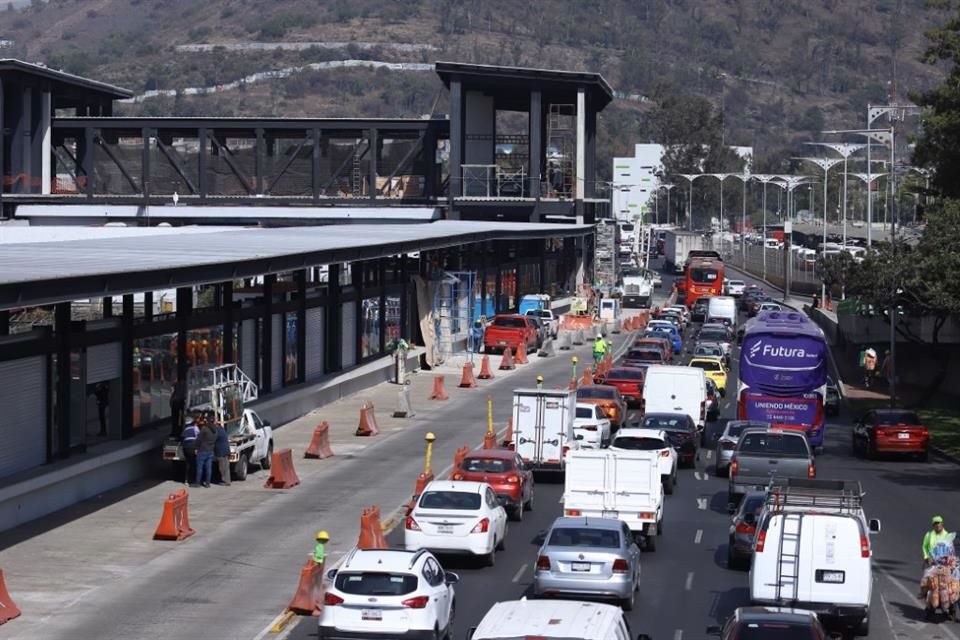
[619,445]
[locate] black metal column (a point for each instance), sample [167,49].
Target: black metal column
[266,351]
[203,140]
[146,133]
[536,143]
[301,279]
[357,272]
[107,304]
[258,163]
[455,188]
[315,165]
[226,303]
[382,328]
[374,159]
[88,159]
[405,330]
[61,329]
[497,291]
[184,309]
[430,167]
[4,321]
[333,321]
[148,306]
[126,369]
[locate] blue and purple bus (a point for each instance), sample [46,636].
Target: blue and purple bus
[783,373]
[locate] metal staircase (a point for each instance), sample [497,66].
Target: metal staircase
[356,180]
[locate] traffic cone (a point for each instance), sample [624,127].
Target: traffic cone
[522,353]
[439,392]
[506,363]
[485,373]
[587,376]
[467,381]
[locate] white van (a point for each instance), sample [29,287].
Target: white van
[722,309]
[552,619]
[812,551]
[543,425]
[672,389]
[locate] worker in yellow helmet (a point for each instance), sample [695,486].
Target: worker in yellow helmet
[320,549]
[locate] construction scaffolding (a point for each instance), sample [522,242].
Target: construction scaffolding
[452,311]
[561,151]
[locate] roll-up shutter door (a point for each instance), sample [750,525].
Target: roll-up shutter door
[23,431]
[314,336]
[248,348]
[103,362]
[276,372]
[348,316]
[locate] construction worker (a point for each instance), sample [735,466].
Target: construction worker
[320,549]
[539,382]
[869,367]
[933,537]
[599,350]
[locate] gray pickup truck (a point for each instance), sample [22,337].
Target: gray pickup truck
[763,454]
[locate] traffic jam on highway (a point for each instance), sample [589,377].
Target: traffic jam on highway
[688,485]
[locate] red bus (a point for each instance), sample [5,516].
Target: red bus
[704,277]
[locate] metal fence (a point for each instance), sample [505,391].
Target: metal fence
[771,265]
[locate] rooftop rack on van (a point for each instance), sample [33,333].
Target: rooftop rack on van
[826,495]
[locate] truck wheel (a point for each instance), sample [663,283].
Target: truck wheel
[529,503]
[650,544]
[267,459]
[863,629]
[240,468]
[516,514]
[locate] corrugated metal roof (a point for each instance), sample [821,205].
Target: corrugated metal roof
[214,212]
[44,272]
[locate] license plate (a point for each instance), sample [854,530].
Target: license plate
[903,436]
[580,566]
[611,514]
[371,614]
[832,577]
[445,528]
[501,342]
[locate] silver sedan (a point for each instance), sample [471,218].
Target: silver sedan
[727,442]
[593,558]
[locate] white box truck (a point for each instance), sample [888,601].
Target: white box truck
[677,246]
[623,485]
[672,389]
[543,426]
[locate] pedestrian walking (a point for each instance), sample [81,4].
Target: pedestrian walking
[869,367]
[221,451]
[189,442]
[476,336]
[102,393]
[178,402]
[320,549]
[205,448]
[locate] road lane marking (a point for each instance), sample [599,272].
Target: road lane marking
[702,503]
[689,584]
[519,573]
[697,538]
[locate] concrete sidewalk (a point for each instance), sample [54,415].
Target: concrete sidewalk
[93,570]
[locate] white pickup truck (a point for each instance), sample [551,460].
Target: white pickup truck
[251,441]
[623,485]
[548,319]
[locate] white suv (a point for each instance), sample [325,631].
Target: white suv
[389,593]
[735,287]
[636,439]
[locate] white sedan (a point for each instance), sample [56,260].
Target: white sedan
[591,426]
[633,439]
[457,517]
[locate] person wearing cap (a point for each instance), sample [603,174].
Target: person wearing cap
[933,537]
[599,350]
[320,549]
[476,336]
[189,441]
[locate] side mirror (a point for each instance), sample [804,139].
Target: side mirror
[450,577]
[266,423]
[469,635]
[579,436]
[331,574]
[874,526]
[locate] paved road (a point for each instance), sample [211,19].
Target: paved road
[686,584]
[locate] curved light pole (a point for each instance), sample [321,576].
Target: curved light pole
[826,164]
[721,177]
[868,180]
[845,149]
[668,187]
[764,178]
[690,177]
[745,178]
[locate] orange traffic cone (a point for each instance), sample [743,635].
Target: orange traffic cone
[485,373]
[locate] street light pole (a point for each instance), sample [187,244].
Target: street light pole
[845,149]
[826,164]
[764,179]
[721,177]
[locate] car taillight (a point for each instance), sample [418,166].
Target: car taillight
[457,476]
[665,453]
[573,513]
[811,471]
[411,524]
[620,566]
[726,445]
[482,527]
[332,600]
[864,547]
[612,412]
[420,602]
[881,433]
[513,479]
[761,539]
[543,563]
[564,451]
[646,516]
[703,410]
[734,468]
[745,528]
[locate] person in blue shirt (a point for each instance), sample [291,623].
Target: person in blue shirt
[188,441]
[221,452]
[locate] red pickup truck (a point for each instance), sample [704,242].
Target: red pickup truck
[509,330]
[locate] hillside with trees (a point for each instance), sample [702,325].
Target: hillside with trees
[773,70]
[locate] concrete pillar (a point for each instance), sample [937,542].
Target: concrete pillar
[46,150]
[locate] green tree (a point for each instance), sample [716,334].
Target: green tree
[835,269]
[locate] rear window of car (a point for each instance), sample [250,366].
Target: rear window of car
[669,423]
[707,351]
[607,393]
[375,584]
[584,537]
[737,283]
[719,336]
[585,412]
[539,313]
[513,323]
[487,465]
[634,443]
[774,444]
[898,417]
[644,354]
[457,500]
[778,630]
[706,365]
[625,374]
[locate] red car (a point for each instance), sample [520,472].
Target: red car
[666,346]
[509,330]
[610,400]
[503,470]
[629,380]
[891,431]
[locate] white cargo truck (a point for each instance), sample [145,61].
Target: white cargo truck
[543,426]
[622,485]
[637,288]
[677,246]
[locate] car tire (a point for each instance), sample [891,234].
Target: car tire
[516,514]
[267,459]
[529,504]
[240,468]
[491,558]
[627,603]
[668,485]
[924,457]
[502,543]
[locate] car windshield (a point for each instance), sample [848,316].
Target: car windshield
[703,274]
[604,393]
[635,443]
[638,354]
[375,584]
[513,323]
[774,444]
[897,417]
[706,365]
[713,334]
[625,373]
[584,537]
[778,630]
[487,465]
[669,423]
[539,313]
[459,500]
[736,283]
